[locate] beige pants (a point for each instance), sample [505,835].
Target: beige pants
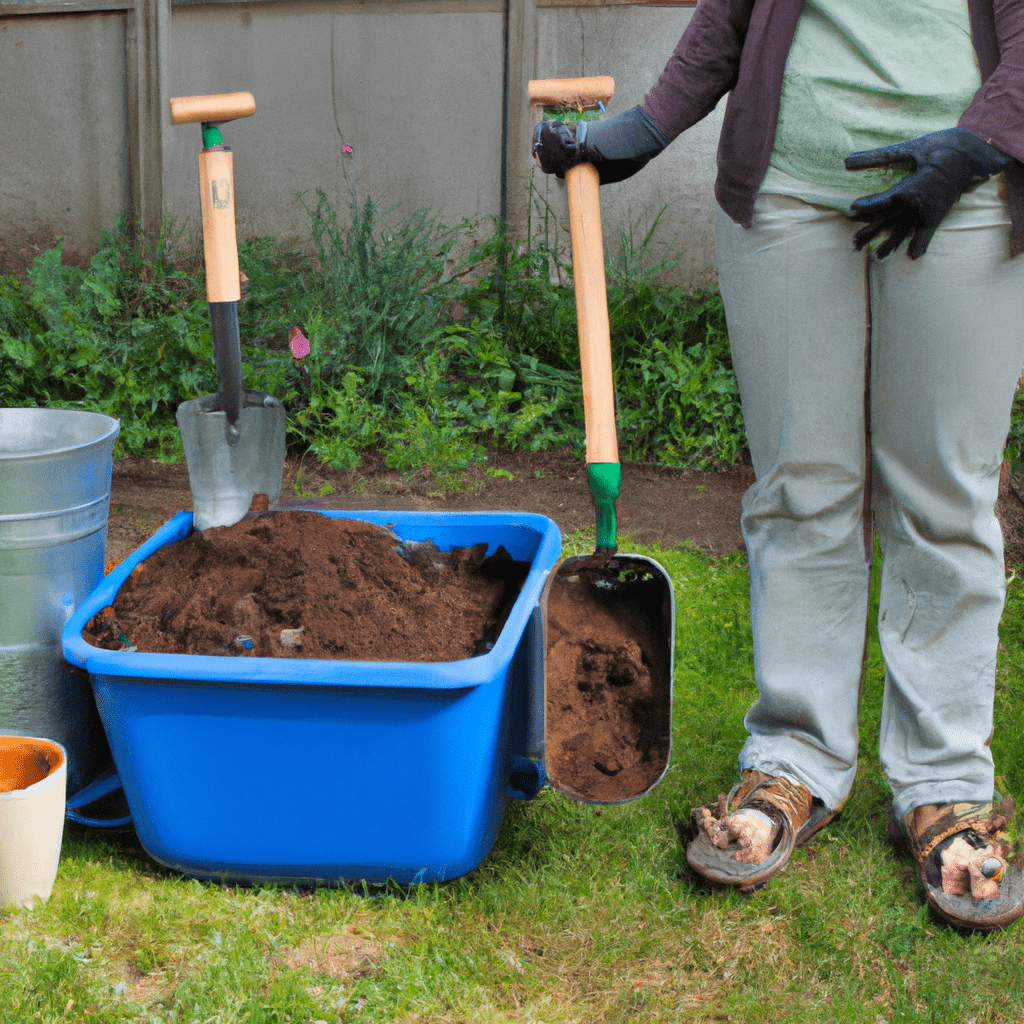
[946,341]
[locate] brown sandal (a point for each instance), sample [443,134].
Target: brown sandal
[722,854]
[930,830]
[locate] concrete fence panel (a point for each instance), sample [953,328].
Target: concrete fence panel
[416,103]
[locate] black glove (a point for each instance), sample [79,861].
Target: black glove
[618,147]
[943,166]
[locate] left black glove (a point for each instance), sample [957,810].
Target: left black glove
[943,166]
[618,147]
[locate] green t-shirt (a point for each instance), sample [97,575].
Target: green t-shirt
[862,74]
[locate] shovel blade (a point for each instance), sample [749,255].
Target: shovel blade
[582,597]
[226,470]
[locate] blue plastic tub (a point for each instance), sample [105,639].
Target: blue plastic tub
[318,771]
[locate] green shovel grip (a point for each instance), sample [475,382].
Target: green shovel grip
[211,136]
[605,479]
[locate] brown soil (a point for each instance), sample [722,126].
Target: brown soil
[299,585]
[657,506]
[608,685]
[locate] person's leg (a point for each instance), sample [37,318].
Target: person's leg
[795,294]
[948,350]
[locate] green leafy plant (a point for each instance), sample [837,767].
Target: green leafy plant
[682,399]
[1015,441]
[528,304]
[380,289]
[332,414]
[123,336]
[426,343]
[433,439]
[129,334]
[276,294]
[510,399]
[677,399]
[304,492]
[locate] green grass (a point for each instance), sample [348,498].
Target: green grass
[578,914]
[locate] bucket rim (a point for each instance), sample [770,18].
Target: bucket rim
[109,433]
[57,760]
[186,669]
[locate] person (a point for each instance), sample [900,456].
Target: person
[876,386]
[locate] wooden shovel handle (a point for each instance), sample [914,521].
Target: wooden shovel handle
[569,93]
[228,106]
[588,266]
[220,242]
[592,314]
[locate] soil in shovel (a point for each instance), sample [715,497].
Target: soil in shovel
[300,585]
[607,692]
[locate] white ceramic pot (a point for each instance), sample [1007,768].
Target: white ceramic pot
[33,780]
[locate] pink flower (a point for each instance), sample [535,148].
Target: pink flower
[346,149]
[298,343]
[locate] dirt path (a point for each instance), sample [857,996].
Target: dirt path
[656,506]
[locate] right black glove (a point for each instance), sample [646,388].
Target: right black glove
[942,165]
[618,147]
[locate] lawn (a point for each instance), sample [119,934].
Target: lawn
[580,913]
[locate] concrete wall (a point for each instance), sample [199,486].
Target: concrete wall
[63,131]
[415,90]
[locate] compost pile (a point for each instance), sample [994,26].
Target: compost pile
[608,729]
[301,585]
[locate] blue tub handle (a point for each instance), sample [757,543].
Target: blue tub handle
[526,778]
[103,786]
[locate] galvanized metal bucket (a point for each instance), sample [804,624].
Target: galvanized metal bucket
[55,470]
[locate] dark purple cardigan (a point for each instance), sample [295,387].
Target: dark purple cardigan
[740,47]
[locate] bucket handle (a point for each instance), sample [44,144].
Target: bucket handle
[103,786]
[526,778]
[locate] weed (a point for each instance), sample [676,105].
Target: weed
[1015,441]
[389,367]
[127,336]
[303,492]
[376,289]
[677,399]
[276,295]
[432,439]
[332,413]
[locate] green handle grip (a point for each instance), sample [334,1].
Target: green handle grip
[604,479]
[211,136]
